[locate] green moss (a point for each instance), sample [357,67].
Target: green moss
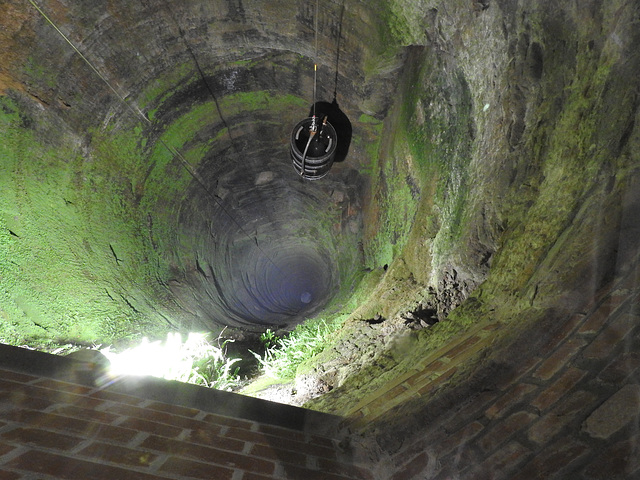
[419,185]
[572,156]
[405,21]
[394,200]
[260,100]
[397,204]
[440,143]
[425,151]
[39,72]
[560,210]
[72,255]
[368,119]
[163,86]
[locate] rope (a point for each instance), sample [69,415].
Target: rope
[95,70]
[315,64]
[173,152]
[313,127]
[202,76]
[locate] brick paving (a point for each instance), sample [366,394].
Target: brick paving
[56,429]
[568,410]
[572,411]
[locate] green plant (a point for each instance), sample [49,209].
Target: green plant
[269,339]
[282,356]
[211,367]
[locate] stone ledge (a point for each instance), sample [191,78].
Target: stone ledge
[70,370]
[615,413]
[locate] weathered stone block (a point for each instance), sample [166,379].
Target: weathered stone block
[619,410]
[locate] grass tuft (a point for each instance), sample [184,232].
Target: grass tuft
[283,356]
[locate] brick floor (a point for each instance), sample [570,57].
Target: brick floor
[55,429]
[568,409]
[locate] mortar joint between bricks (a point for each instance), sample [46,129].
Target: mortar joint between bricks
[16,452]
[138,439]
[311,462]
[104,406]
[155,465]
[254,427]
[237,475]
[279,471]
[9,426]
[54,407]
[81,446]
[247,447]
[200,416]
[522,437]
[13,426]
[120,419]
[533,410]
[146,403]
[94,391]
[531,379]
[33,381]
